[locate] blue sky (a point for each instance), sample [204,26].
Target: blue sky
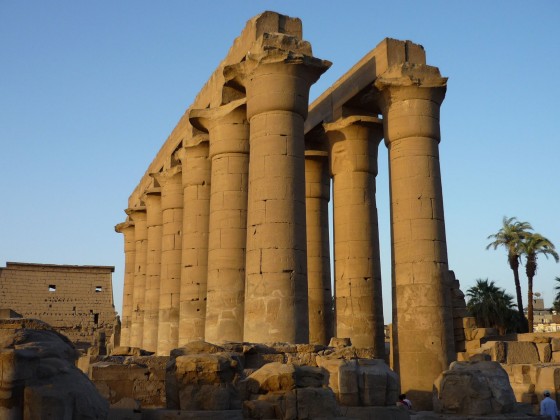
[89,91]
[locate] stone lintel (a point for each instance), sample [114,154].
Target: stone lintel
[329,106]
[354,119]
[319,154]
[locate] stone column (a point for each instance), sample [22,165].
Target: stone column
[353,143]
[138,216]
[317,196]
[127,229]
[170,276]
[152,199]
[194,270]
[229,151]
[276,307]
[422,318]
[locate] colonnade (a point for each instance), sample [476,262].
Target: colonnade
[231,240]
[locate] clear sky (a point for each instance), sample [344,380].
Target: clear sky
[90,90]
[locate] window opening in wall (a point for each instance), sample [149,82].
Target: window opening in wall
[52,287]
[95,319]
[98,289]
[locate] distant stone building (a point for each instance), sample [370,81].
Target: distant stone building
[76,300]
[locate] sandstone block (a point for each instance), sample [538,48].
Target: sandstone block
[360,382]
[521,352]
[545,352]
[473,388]
[555,343]
[339,342]
[38,378]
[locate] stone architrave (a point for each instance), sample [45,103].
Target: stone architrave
[170,275]
[138,216]
[194,266]
[353,143]
[229,152]
[152,199]
[127,229]
[317,196]
[423,343]
[277,84]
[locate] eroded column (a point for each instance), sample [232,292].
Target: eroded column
[422,316]
[194,271]
[229,152]
[171,242]
[138,216]
[353,143]
[152,199]
[127,229]
[317,196]
[276,307]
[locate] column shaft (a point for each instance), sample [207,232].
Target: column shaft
[194,271]
[138,215]
[276,306]
[153,268]
[317,192]
[170,276]
[229,150]
[127,229]
[422,316]
[358,299]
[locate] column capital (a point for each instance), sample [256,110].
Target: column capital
[192,142]
[207,118]
[226,125]
[277,74]
[163,176]
[411,81]
[136,212]
[411,97]
[154,191]
[353,143]
[122,227]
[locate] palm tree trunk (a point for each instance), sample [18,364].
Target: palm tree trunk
[530,303]
[514,264]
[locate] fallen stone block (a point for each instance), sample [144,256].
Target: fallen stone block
[473,388]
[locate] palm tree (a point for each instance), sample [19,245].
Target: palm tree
[557,288]
[532,246]
[491,306]
[509,236]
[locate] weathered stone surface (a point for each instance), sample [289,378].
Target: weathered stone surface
[298,403]
[361,382]
[131,380]
[203,382]
[473,388]
[555,343]
[38,379]
[275,376]
[545,352]
[521,352]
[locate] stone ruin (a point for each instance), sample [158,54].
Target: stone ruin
[76,300]
[228,310]
[226,236]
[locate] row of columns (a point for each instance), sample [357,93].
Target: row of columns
[233,245]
